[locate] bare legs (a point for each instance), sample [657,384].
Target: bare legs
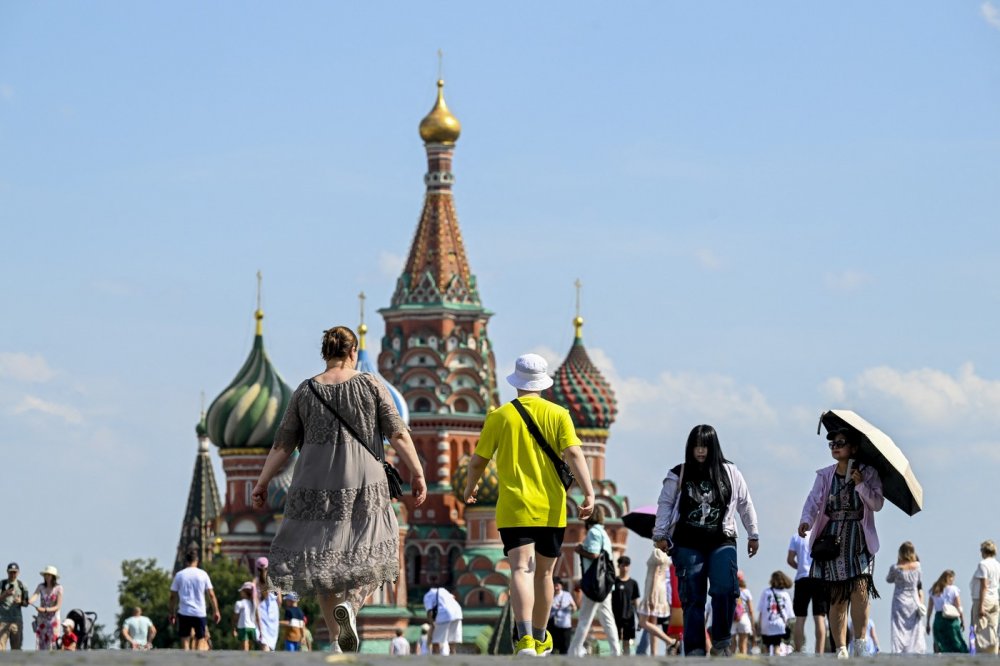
[327,602]
[819,622]
[859,615]
[654,631]
[530,585]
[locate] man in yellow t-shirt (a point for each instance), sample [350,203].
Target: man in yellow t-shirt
[531,505]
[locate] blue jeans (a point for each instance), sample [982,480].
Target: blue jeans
[698,570]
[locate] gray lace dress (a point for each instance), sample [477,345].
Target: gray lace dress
[339,532]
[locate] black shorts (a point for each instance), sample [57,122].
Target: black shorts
[187,623]
[771,641]
[548,540]
[810,590]
[626,628]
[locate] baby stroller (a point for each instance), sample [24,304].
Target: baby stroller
[85,622]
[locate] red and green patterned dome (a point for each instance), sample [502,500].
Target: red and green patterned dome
[581,388]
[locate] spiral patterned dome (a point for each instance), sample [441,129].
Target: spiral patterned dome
[489,485]
[581,388]
[246,415]
[277,489]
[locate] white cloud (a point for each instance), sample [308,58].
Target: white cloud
[926,395]
[390,265]
[707,259]
[990,13]
[25,367]
[32,403]
[849,280]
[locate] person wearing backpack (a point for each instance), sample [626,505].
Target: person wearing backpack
[696,524]
[776,612]
[596,545]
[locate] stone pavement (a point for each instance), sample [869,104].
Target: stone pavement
[225,658]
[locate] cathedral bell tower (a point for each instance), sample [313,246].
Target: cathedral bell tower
[437,352]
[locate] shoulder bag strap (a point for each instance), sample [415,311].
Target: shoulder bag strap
[350,429]
[535,432]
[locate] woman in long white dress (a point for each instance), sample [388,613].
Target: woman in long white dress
[908,605]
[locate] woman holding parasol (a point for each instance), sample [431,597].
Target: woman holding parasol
[840,513]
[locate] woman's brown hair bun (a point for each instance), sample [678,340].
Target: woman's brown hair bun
[338,343]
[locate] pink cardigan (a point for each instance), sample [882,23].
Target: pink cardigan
[870,491]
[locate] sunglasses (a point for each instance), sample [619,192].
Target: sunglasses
[837,445]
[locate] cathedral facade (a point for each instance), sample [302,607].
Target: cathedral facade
[437,359]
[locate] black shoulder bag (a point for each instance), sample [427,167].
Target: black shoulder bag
[566,476]
[391,475]
[433,613]
[598,581]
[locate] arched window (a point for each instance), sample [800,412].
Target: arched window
[422,405]
[462,406]
[413,566]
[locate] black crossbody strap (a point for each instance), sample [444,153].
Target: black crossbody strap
[535,432]
[350,429]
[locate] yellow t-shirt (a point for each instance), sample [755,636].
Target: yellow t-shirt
[531,494]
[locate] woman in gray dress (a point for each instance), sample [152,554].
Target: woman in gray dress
[908,603]
[339,538]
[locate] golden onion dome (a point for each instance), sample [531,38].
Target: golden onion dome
[440,126]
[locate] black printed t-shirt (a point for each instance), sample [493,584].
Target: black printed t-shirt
[702,510]
[623,596]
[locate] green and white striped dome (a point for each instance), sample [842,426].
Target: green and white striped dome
[246,415]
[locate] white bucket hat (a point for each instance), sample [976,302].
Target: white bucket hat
[50,570]
[531,373]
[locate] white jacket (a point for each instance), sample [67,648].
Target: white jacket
[668,508]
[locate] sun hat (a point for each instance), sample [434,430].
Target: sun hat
[13,567]
[246,586]
[262,563]
[531,373]
[69,623]
[50,570]
[291,596]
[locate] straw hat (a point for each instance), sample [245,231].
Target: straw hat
[51,570]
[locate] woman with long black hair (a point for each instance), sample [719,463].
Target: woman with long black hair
[696,523]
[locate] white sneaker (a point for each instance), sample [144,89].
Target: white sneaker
[842,653]
[344,615]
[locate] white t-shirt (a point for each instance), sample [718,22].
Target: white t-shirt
[191,584]
[138,628]
[947,596]
[775,611]
[244,610]
[447,605]
[990,570]
[562,610]
[803,557]
[400,645]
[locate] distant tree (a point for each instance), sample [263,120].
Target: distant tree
[227,576]
[145,585]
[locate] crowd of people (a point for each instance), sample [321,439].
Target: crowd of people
[338,541]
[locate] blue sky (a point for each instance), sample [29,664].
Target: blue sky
[774,208]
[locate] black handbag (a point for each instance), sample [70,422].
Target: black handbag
[566,476]
[826,548]
[598,581]
[392,477]
[433,613]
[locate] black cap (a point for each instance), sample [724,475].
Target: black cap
[12,566]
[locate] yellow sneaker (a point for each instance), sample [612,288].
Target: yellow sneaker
[544,648]
[526,646]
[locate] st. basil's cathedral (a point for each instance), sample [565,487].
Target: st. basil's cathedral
[437,361]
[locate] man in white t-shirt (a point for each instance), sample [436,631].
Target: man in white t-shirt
[985,591]
[445,613]
[399,645]
[187,602]
[808,591]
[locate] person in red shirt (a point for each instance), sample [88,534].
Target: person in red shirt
[69,639]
